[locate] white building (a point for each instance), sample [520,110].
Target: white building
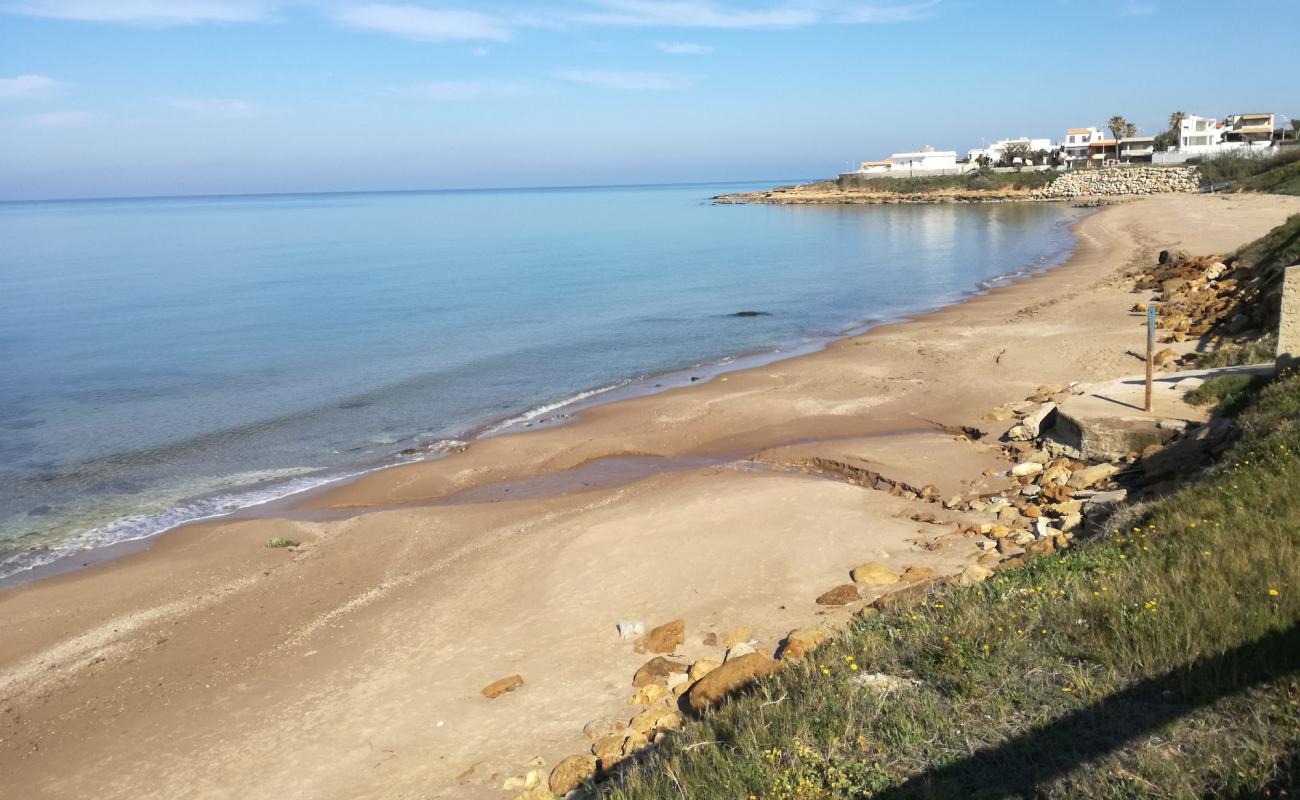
[1077,144]
[874,166]
[1239,134]
[994,151]
[1199,132]
[1250,128]
[1137,148]
[926,160]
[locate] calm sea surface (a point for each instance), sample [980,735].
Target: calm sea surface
[168,359]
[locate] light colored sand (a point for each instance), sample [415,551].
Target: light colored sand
[210,666]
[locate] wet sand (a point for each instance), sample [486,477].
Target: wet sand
[208,665]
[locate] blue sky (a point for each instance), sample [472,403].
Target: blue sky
[142,97]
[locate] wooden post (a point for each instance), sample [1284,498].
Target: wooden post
[1151,349]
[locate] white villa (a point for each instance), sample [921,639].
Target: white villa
[1077,144]
[994,151]
[1194,132]
[926,160]
[1246,134]
[1250,128]
[1137,148]
[1205,136]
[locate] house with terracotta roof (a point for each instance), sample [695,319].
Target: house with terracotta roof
[1076,147]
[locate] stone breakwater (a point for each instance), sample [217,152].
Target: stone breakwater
[1117,181]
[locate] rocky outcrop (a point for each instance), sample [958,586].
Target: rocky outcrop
[1116,181]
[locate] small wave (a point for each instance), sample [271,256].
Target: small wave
[537,411]
[255,489]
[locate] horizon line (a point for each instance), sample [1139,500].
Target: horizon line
[534,188]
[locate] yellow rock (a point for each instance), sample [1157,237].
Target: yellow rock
[656,718]
[570,773]
[497,688]
[801,642]
[648,695]
[735,637]
[702,667]
[611,745]
[874,573]
[635,743]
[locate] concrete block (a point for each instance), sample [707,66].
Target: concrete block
[1288,328]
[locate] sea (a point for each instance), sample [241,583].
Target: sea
[165,360]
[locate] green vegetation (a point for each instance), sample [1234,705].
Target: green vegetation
[1269,256]
[1161,659]
[1259,351]
[1253,174]
[979,180]
[1230,393]
[1282,179]
[280,541]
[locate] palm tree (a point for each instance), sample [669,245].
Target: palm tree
[1130,130]
[1117,126]
[1176,120]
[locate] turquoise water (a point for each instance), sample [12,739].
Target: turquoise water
[163,360]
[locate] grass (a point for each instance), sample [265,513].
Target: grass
[1231,393]
[981,180]
[1284,179]
[1258,351]
[1269,256]
[1245,172]
[280,541]
[1158,660]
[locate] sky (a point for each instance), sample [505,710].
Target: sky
[104,98]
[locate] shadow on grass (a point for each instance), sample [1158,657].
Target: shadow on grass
[1022,764]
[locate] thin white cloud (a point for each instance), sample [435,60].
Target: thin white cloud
[1136,8]
[625,81]
[424,24]
[215,108]
[669,13]
[789,14]
[451,23]
[684,48]
[146,12]
[59,119]
[25,86]
[462,90]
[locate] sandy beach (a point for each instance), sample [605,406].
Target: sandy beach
[209,665]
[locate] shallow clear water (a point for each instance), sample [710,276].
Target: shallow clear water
[167,359]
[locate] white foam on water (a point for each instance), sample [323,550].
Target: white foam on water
[255,488]
[537,411]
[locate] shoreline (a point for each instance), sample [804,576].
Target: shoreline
[187,667]
[553,414]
